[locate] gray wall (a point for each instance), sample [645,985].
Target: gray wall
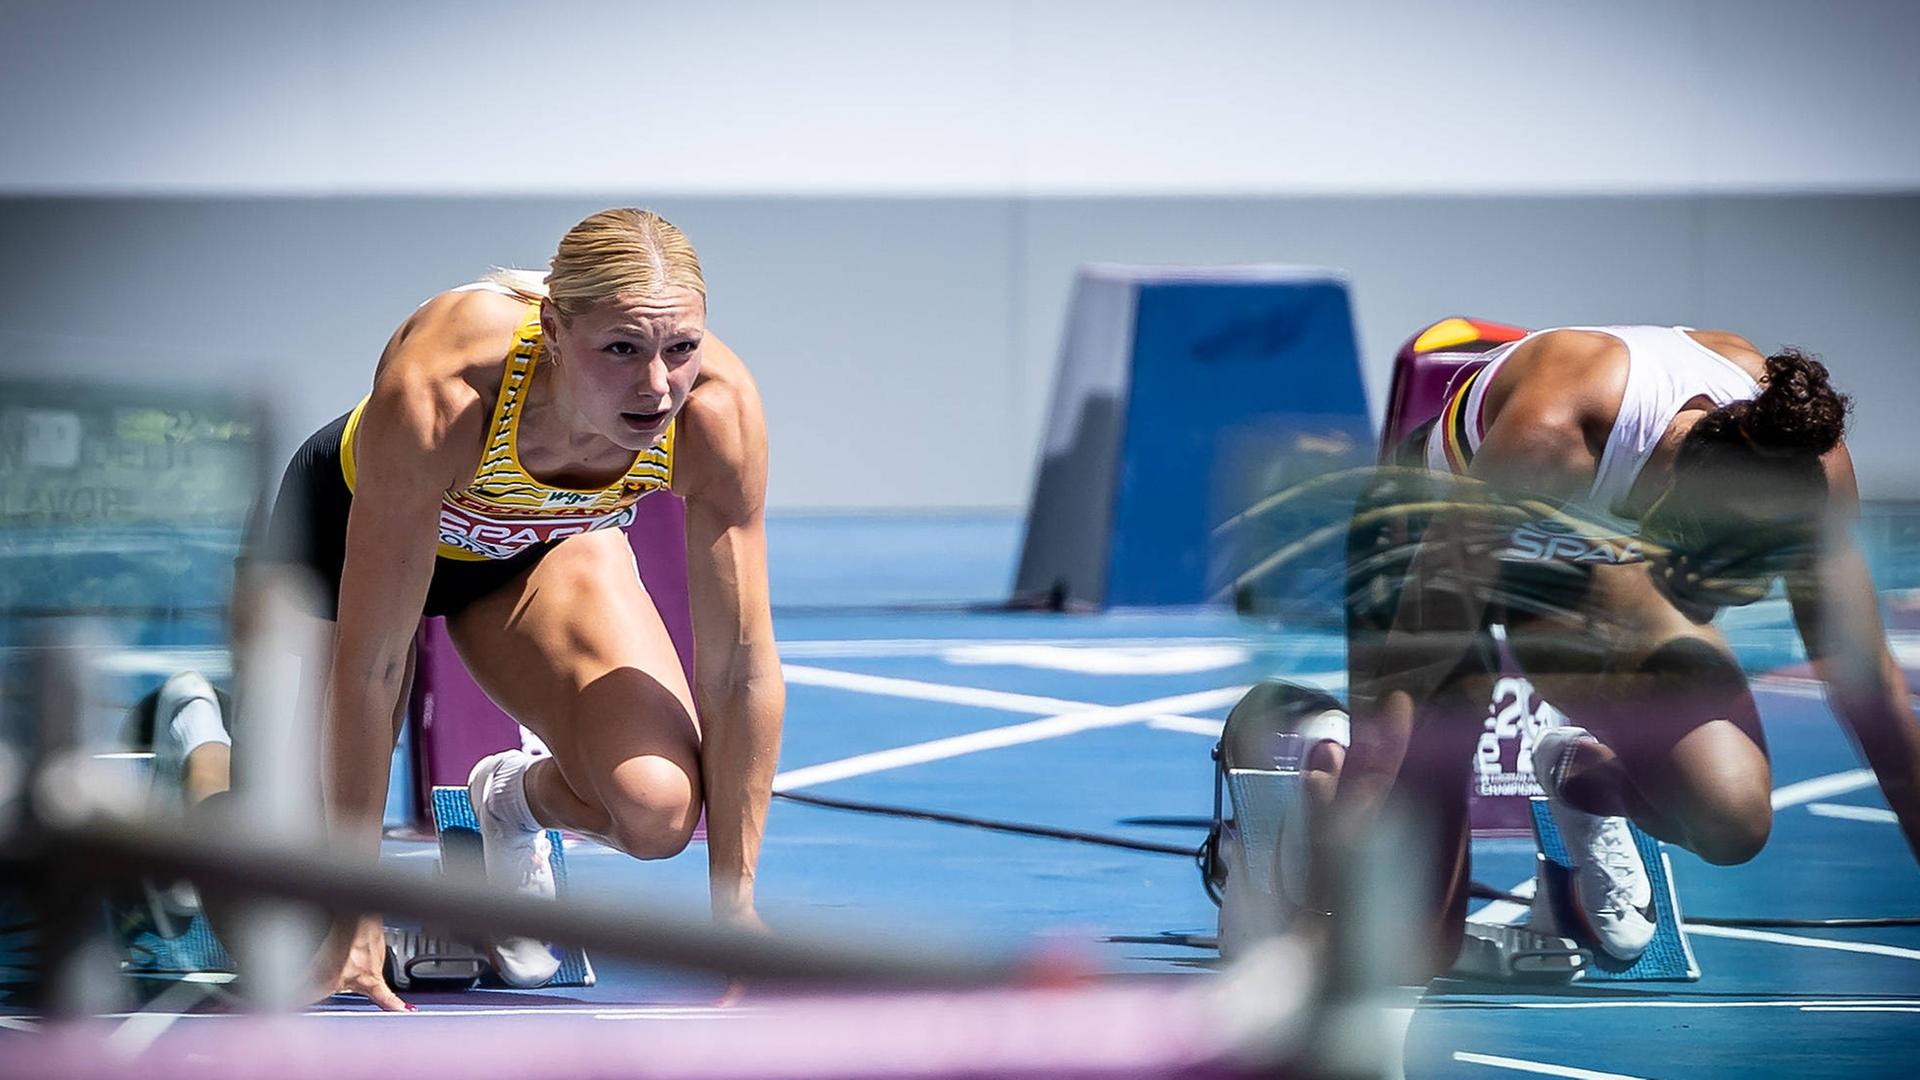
[905,346]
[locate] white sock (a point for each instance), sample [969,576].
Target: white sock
[197,724]
[507,794]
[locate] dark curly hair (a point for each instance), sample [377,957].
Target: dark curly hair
[1798,415]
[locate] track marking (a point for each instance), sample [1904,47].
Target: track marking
[1643,1003]
[1774,937]
[1854,813]
[1822,786]
[1190,724]
[139,1031]
[1329,681]
[1860,1008]
[1184,659]
[875,648]
[917,690]
[15,1023]
[1085,718]
[1540,1067]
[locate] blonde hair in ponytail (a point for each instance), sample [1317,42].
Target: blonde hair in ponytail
[613,251]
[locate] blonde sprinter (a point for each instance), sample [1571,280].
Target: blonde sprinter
[512,425]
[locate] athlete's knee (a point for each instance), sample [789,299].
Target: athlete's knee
[1326,756]
[1731,835]
[1695,667]
[652,805]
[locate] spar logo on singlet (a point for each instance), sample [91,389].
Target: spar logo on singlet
[1516,718]
[503,538]
[1546,540]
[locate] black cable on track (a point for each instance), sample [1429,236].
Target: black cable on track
[990,824]
[1478,890]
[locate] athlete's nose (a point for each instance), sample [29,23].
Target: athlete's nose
[656,386]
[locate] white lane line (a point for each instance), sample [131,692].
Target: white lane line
[876,648]
[1128,660]
[1330,681]
[14,1023]
[1539,1067]
[1643,1003]
[1771,937]
[1860,1008]
[1821,787]
[1053,727]
[1506,912]
[664,1012]
[929,691]
[137,1032]
[1190,724]
[669,1017]
[1791,686]
[599,1012]
[1854,813]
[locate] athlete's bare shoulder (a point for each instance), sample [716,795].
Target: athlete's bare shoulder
[451,333]
[449,351]
[437,380]
[1735,348]
[1565,377]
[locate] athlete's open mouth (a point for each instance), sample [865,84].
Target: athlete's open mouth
[645,419]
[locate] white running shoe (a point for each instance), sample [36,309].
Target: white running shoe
[517,857]
[1612,893]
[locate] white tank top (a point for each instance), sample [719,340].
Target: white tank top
[1666,368]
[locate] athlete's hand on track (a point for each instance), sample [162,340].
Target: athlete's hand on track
[744,919]
[353,961]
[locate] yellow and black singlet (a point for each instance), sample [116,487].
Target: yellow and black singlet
[505,510]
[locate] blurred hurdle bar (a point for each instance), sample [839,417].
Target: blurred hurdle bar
[901,1009]
[78,825]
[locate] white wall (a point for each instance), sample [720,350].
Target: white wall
[958,97]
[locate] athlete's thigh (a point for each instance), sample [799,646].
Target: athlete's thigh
[1664,692]
[575,650]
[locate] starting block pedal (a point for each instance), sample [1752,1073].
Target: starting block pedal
[1519,954]
[461,856]
[1668,957]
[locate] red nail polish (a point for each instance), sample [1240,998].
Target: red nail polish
[413,1008]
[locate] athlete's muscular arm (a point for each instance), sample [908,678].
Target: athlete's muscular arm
[421,428]
[1537,445]
[1836,610]
[721,469]
[418,436]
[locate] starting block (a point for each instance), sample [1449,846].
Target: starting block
[462,857]
[1669,956]
[162,942]
[1256,849]
[1507,953]
[1257,854]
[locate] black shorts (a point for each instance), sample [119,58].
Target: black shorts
[307,527]
[1389,523]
